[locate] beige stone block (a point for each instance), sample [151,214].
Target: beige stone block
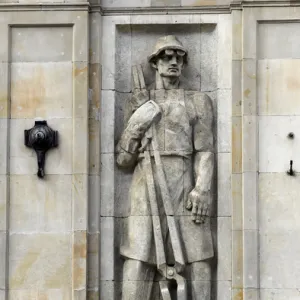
[278,196]
[237,88]
[94,91]
[93,294]
[250,17]
[278,87]
[250,199]
[224,135]
[41,90]
[237,30]
[80,201]
[22,294]
[107,243]
[79,294]
[166,3]
[93,270]
[40,205]
[204,2]
[81,36]
[4,101]
[4,146]
[80,79]
[5,19]
[2,294]
[249,106]
[237,294]
[94,203]
[237,202]
[108,122]
[58,160]
[250,140]
[94,147]
[55,294]
[279,294]
[236,144]
[224,29]
[224,185]
[224,249]
[251,260]
[237,259]
[39,1]
[107,187]
[41,261]
[252,294]
[95,38]
[3,259]
[108,56]
[279,259]
[275,148]
[270,46]
[79,260]
[121,3]
[51,44]
[3,202]
[80,146]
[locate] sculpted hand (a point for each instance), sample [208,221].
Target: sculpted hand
[199,203]
[140,94]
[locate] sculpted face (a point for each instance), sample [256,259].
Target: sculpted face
[170,63]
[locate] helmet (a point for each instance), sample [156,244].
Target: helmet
[167,42]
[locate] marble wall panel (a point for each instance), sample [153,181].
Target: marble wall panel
[40,206]
[278,202]
[41,90]
[278,87]
[48,218]
[43,39]
[34,263]
[275,148]
[272,47]
[279,294]
[279,259]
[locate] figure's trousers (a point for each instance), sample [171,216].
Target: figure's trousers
[138,281]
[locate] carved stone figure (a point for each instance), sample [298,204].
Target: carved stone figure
[168,140]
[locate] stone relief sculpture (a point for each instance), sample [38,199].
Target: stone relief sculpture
[168,140]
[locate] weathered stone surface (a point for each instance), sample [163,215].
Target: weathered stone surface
[121,3]
[278,87]
[42,38]
[39,206]
[275,148]
[272,47]
[31,256]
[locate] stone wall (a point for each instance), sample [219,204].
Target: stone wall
[69,62]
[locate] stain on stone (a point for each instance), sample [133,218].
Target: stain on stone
[247,93]
[19,276]
[78,71]
[27,93]
[239,296]
[293,83]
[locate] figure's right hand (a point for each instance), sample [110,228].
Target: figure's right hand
[140,94]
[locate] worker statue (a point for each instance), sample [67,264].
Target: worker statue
[168,141]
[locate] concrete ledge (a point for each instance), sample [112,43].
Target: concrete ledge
[175,10]
[81,6]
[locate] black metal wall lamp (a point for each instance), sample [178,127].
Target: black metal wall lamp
[41,138]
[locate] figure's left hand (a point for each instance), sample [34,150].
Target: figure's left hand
[199,203]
